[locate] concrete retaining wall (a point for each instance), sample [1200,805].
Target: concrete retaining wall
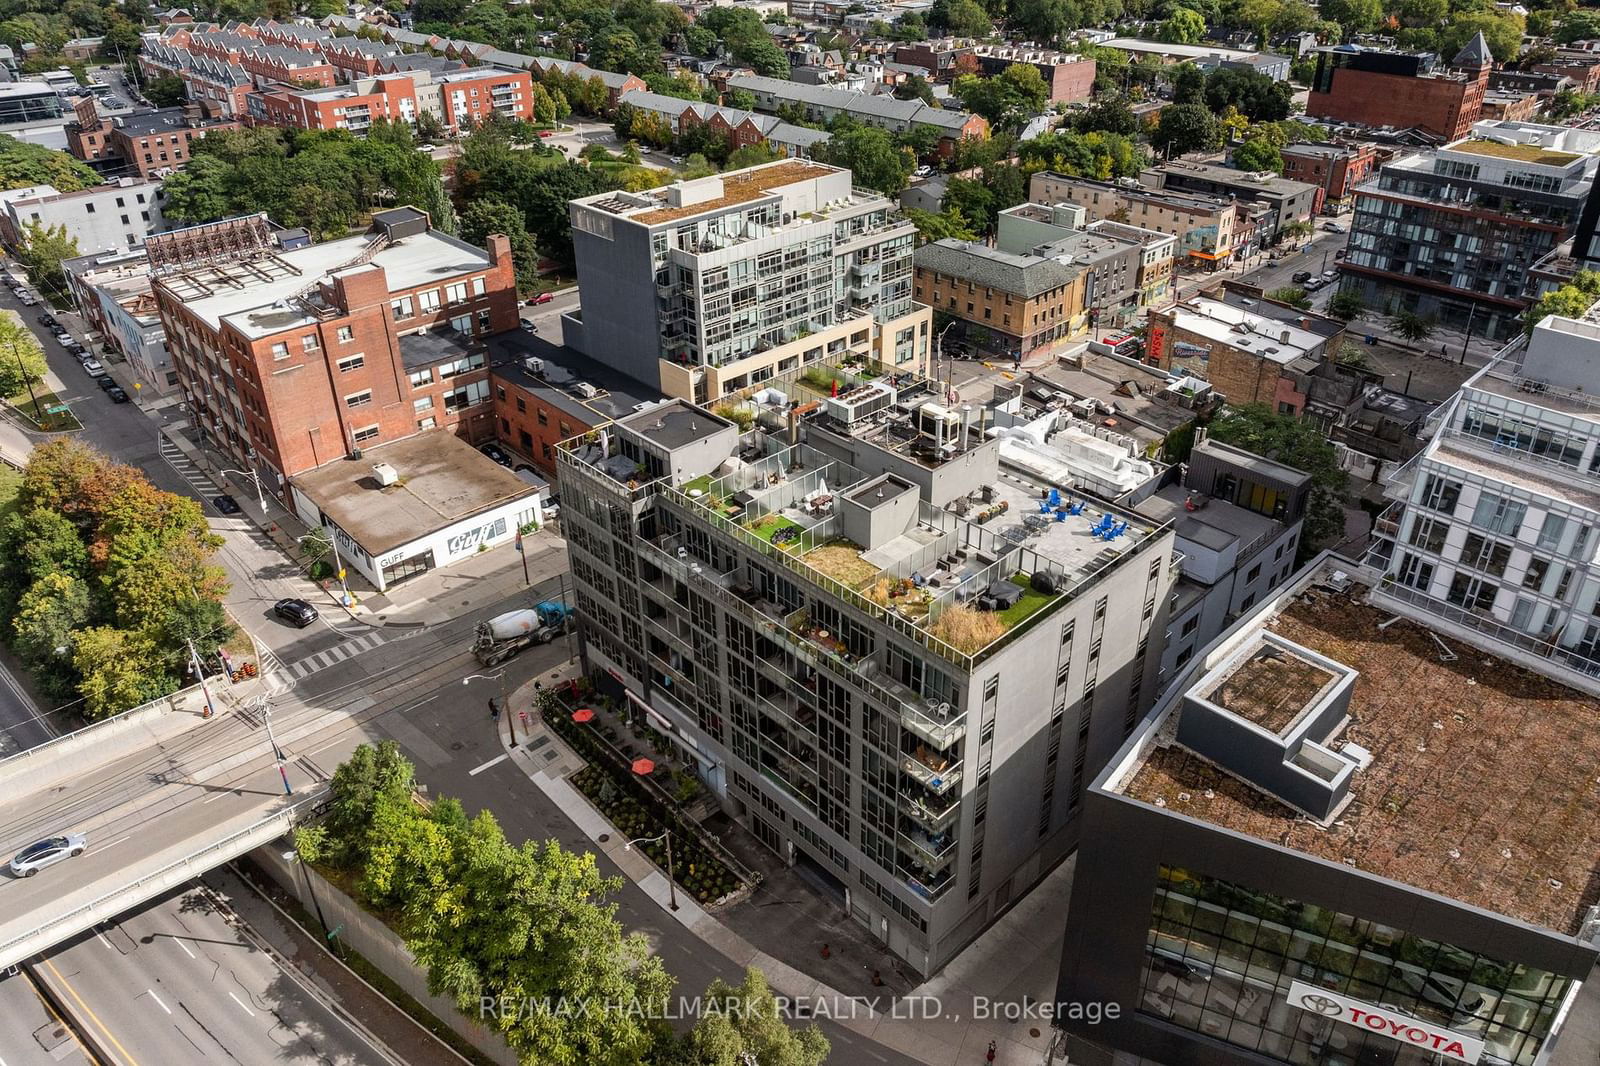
[377,943]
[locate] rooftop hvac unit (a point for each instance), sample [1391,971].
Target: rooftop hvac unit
[386,474]
[534,364]
[586,390]
[863,401]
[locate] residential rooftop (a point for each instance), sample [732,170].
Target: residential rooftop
[686,199]
[567,379]
[443,479]
[1482,779]
[1245,330]
[267,293]
[1521,153]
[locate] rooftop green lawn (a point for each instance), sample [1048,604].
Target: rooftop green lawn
[1032,602]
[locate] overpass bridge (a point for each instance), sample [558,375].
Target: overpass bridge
[163,794]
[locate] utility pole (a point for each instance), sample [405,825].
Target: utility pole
[200,673]
[26,380]
[1472,310]
[277,752]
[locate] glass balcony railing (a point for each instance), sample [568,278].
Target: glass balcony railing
[932,771]
[931,851]
[933,812]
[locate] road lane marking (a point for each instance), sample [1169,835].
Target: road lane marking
[242,1007]
[184,946]
[476,770]
[114,843]
[157,998]
[93,1017]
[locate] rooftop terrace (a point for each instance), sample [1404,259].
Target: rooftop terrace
[1483,781]
[1521,153]
[738,187]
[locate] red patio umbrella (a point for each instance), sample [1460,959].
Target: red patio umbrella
[584,715]
[643,767]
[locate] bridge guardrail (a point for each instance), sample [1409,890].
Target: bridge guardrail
[286,817]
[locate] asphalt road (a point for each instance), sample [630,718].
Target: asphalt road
[31,1034]
[182,980]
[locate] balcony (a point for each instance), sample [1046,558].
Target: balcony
[930,887]
[931,851]
[941,733]
[931,770]
[932,813]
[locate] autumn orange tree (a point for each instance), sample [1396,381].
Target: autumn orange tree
[104,578]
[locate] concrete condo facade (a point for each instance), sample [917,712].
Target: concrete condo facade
[1453,233]
[711,286]
[896,665]
[1492,533]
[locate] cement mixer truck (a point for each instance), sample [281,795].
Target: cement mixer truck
[504,635]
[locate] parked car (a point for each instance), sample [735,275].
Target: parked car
[225,503]
[1314,284]
[26,300]
[106,382]
[36,856]
[117,394]
[529,325]
[1340,254]
[542,298]
[46,319]
[1334,227]
[1299,277]
[92,367]
[547,133]
[494,452]
[297,613]
[1331,275]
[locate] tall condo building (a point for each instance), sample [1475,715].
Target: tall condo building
[897,665]
[708,287]
[1494,533]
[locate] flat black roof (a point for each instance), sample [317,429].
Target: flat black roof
[562,369]
[436,346]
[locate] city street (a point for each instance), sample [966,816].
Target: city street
[183,980]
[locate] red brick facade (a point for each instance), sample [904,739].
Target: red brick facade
[1338,170]
[1445,106]
[311,393]
[532,427]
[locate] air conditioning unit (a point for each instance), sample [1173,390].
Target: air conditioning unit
[387,475]
[586,390]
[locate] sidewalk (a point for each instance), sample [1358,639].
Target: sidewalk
[1013,965]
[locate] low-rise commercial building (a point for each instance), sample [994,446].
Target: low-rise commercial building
[1250,354]
[113,293]
[1337,840]
[112,217]
[1509,105]
[293,358]
[1382,88]
[1069,75]
[1029,228]
[1284,201]
[152,142]
[1336,167]
[1205,226]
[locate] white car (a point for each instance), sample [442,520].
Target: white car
[1333,227]
[26,300]
[93,368]
[36,856]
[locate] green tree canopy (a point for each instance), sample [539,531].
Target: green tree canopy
[1302,445]
[870,153]
[1355,16]
[1183,26]
[166,91]
[1569,301]
[1185,128]
[23,164]
[948,223]
[1258,153]
[1503,31]
[484,217]
[962,18]
[21,359]
[1293,295]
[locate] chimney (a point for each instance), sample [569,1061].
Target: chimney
[1284,336]
[499,249]
[192,115]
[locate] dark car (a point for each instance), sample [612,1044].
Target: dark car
[298,613]
[46,320]
[1300,277]
[493,452]
[226,504]
[117,394]
[106,382]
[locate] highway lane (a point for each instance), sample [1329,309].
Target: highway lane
[31,1034]
[184,980]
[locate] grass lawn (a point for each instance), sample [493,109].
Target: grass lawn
[1031,602]
[60,420]
[770,524]
[703,483]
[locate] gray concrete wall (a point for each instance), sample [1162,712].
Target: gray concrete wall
[619,324]
[872,522]
[376,943]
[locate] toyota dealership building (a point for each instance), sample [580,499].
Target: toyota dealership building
[1340,838]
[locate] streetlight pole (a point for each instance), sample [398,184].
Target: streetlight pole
[261,497]
[26,380]
[277,752]
[200,674]
[501,677]
[672,885]
[938,354]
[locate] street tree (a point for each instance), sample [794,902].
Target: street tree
[1293,295]
[21,359]
[877,162]
[486,216]
[1412,326]
[166,91]
[46,616]
[1346,304]
[947,223]
[119,670]
[745,1023]
[1185,128]
[1300,444]
[1258,153]
[23,163]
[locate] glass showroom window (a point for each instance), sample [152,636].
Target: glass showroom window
[1220,957]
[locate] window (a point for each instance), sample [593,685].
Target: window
[1481,553]
[346,334]
[424,403]
[466,396]
[1414,572]
[1429,534]
[428,300]
[280,350]
[522,405]
[365,434]
[351,362]
[1255,572]
[544,417]
[309,342]
[1191,625]
[402,308]
[455,293]
[1498,514]
[477,286]
[1473,593]
[484,321]
[420,378]
[358,399]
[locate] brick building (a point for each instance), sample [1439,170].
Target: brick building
[1256,354]
[1336,168]
[291,359]
[1069,75]
[455,99]
[1509,105]
[1207,227]
[152,142]
[1400,89]
[1008,304]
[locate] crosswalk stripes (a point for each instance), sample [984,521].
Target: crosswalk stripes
[336,654]
[188,469]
